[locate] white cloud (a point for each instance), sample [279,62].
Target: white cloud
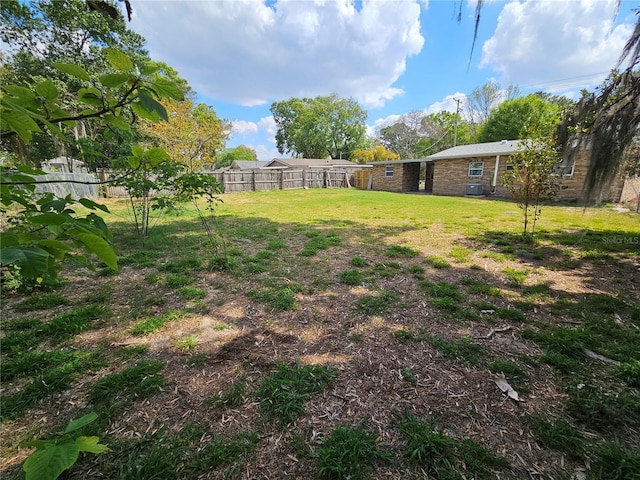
[248,52]
[244,127]
[448,104]
[549,43]
[268,124]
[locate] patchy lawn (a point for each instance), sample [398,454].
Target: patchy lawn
[349,334]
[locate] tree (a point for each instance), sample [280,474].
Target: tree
[606,119]
[607,123]
[443,130]
[45,230]
[510,120]
[241,152]
[533,177]
[482,100]
[377,153]
[192,136]
[319,127]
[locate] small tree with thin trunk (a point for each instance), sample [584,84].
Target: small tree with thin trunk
[534,177]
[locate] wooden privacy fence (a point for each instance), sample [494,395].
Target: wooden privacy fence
[282,179]
[260,180]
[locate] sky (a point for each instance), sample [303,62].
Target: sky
[393,57]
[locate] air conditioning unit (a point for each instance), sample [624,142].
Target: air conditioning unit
[474,189]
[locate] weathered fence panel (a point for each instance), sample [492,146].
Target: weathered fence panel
[78,185]
[262,180]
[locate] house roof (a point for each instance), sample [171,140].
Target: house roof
[394,162]
[505,147]
[247,164]
[309,162]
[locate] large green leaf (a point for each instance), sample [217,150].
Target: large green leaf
[56,248]
[91,445]
[116,121]
[119,60]
[49,462]
[48,219]
[90,96]
[152,105]
[83,421]
[166,88]
[19,92]
[73,70]
[155,156]
[20,123]
[33,261]
[95,244]
[47,90]
[141,111]
[90,204]
[114,80]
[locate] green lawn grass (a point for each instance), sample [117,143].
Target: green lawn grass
[426,280]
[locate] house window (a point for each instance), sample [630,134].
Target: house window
[509,167]
[388,171]
[476,169]
[565,168]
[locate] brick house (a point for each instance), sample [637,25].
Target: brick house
[477,170]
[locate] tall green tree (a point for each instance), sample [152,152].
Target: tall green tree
[319,127]
[482,100]
[44,32]
[510,120]
[229,155]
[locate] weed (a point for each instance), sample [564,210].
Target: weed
[234,397]
[417,271]
[219,452]
[139,381]
[54,379]
[144,259]
[407,375]
[560,435]
[614,462]
[437,262]
[276,245]
[602,410]
[461,351]
[187,344]
[177,280]
[198,360]
[222,263]
[387,269]
[460,254]
[480,287]
[280,299]
[350,452]
[282,393]
[153,278]
[67,325]
[34,362]
[319,242]
[514,276]
[41,302]
[440,456]
[630,373]
[511,314]
[153,324]
[358,262]
[375,305]
[442,290]
[191,293]
[538,291]
[400,251]
[404,334]
[351,277]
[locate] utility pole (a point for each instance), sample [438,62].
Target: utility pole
[455,128]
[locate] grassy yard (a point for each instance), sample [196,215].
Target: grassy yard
[348,334]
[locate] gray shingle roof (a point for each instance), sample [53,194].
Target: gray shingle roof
[505,147]
[310,162]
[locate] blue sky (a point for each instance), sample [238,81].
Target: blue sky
[393,57]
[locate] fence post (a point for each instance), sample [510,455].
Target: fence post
[282,179]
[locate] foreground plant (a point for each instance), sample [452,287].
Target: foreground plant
[54,456]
